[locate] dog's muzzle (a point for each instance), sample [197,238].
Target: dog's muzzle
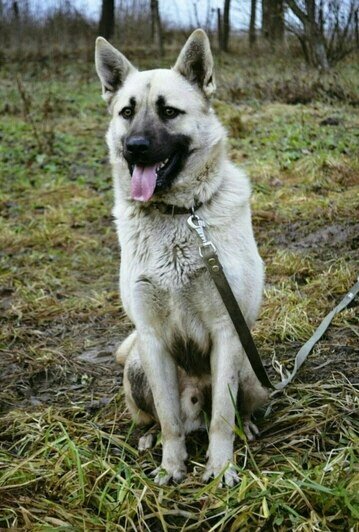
[154,166]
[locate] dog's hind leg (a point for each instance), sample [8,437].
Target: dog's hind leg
[138,395]
[251,395]
[124,349]
[146,441]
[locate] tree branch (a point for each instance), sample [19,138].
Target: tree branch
[297,11]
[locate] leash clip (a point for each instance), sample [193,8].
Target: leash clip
[197,224]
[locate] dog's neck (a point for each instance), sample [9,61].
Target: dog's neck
[170,209]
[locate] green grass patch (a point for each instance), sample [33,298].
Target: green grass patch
[68,458]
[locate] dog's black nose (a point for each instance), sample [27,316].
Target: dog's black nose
[137,145]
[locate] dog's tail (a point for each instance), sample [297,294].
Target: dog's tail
[124,349]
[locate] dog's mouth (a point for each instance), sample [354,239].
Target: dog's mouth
[147,179]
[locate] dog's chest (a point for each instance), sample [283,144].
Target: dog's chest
[175,262]
[168,252]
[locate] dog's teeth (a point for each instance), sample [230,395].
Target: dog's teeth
[161,164]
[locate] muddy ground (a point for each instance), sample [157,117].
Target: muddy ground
[61,316]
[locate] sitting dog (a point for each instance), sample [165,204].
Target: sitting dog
[168,154]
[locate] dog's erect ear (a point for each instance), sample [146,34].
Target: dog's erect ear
[195,62]
[112,68]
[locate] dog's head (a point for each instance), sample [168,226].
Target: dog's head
[162,126]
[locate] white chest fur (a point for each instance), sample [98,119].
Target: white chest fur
[160,247]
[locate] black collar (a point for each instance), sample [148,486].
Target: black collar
[165,208]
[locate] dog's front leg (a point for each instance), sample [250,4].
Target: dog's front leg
[161,373]
[225,362]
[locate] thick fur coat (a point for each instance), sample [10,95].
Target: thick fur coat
[184,344]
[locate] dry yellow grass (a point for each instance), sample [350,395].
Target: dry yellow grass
[68,458]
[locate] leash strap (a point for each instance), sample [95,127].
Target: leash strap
[208,252]
[318,333]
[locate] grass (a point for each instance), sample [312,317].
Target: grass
[68,458]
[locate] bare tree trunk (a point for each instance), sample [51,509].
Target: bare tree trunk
[156,26]
[277,21]
[273,20]
[198,24]
[15,10]
[226,24]
[252,24]
[321,16]
[356,27]
[304,46]
[312,35]
[17,20]
[219,29]
[316,44]
[328,29]
[265,18]
[310,6]
[153,25]
[209,18]
[107,20]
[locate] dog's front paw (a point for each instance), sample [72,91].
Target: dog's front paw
[220,456]
[226,471]
[173,462]
[164,475]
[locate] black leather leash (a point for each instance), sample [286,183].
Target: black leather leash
[209,255]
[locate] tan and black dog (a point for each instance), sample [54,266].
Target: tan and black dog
[168,154]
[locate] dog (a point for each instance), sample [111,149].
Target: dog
[168,155]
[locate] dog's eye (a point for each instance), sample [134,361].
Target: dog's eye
[127,112]
[170,112]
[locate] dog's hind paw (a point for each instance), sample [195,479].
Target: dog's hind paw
[146,442]
[250,430]
[164,476]
[229,476]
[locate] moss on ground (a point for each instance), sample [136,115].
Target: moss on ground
[67,446]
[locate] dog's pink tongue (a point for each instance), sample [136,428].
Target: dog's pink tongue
[143,182]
